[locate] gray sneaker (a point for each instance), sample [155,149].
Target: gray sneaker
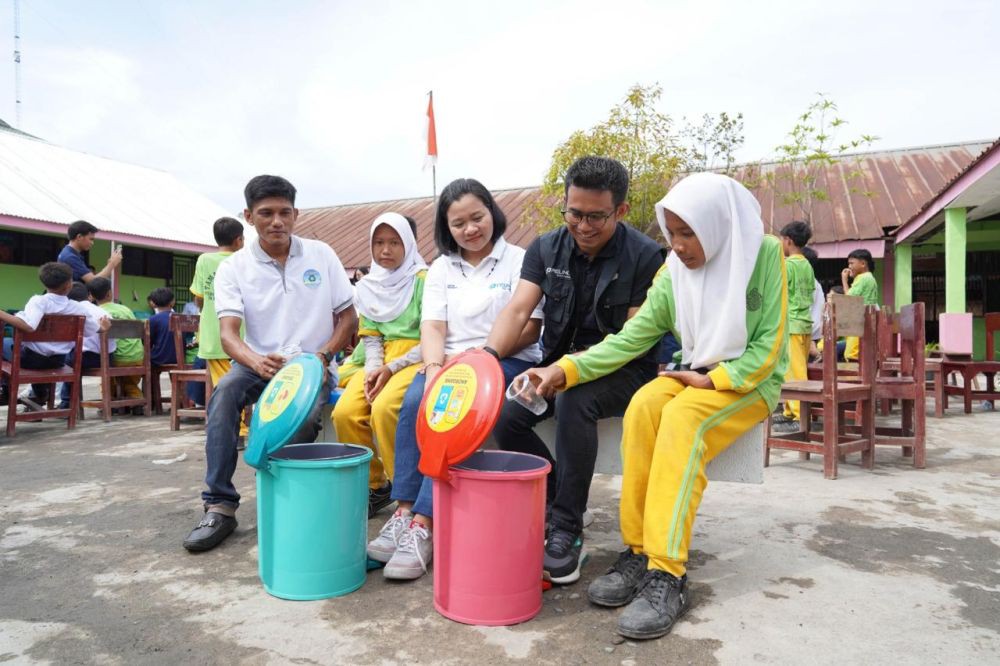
[384,545]
[621,583]
[785,427]
[661,601]
[413,553]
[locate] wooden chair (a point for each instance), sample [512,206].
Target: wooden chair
[179,407]
[842,316]
[52,328]
[968,369]
[108,372]
[179,325]
[907,383]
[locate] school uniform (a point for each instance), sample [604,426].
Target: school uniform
[388,303]
[671,431]
[866,287]
[801,285]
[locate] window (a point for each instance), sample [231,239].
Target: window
[26,249]
[148,263]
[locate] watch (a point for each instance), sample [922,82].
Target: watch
[492,352]
[328,355]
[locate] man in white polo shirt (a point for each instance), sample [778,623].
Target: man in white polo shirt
[292,294]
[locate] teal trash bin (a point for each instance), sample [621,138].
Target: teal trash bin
[312,499]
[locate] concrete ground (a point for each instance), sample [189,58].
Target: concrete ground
[892,566]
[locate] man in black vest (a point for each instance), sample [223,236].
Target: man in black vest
[593,273]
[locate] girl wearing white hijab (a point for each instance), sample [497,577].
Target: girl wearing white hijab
[388,301]
[723,294]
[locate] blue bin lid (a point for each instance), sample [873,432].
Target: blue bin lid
[283,408]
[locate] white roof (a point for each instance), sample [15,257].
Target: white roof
[41,181]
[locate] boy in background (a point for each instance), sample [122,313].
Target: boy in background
[91,341]
[128,352]
[161,341]
[801,285]
[57,279]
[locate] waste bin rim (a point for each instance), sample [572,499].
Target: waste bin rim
[362,456]
[499,475]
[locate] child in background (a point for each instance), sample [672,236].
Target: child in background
[388,302]
[91,342]
[859,266]
[161,340]
[801,285]
[128,352]
[819,300]
[58,280]
[724,293]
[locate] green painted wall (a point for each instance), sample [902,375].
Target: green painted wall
[19,284]
[141,286]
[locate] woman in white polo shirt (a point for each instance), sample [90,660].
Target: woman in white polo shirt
[466,288]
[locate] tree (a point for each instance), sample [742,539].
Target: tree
[645,141]
[811,148]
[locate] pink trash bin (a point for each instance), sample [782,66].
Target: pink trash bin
[489,532]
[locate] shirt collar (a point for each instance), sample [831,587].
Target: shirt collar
[258,252]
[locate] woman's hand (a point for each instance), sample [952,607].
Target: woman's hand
[376,381]
[547,380]
[690,378]
[430,371]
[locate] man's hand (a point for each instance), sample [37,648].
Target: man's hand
[690,378]
[116,258]
[267,366]
[376,381]
[547,380]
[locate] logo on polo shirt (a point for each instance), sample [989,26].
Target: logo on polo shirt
[312,278]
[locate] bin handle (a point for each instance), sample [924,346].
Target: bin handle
[434,463]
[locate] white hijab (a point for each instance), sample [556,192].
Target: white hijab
[711,301]
[382,295]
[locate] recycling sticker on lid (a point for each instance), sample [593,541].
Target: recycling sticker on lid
[455,391]
[280,392]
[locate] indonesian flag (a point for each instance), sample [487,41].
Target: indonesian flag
[431,134]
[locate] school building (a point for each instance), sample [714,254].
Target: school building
[900,205]
[161,224]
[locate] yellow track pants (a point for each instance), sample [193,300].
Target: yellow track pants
[798,361]
[357,421]
[217,369]
[671,432]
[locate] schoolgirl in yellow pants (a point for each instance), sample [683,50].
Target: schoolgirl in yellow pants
[723,293]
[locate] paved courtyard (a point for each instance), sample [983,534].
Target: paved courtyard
[892,566]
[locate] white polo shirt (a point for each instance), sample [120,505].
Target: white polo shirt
[92,341]
[469,298]
[54,304]
[285,305]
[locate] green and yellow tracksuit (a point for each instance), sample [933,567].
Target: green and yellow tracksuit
[801,284]
[671,431]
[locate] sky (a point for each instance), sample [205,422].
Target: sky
[333,95]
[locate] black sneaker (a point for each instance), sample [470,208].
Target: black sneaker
[562,560]
[379,498]
[785,427]
[661,601]
[780,419]
[621,583]
[4,396]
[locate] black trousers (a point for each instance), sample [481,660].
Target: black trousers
[577,412]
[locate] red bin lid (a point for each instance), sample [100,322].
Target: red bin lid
[459,411]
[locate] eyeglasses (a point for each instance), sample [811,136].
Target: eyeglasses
[595,220]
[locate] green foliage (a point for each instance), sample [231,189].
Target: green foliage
[812,147]
[645,141]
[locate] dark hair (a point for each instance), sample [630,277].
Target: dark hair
[226,231]
[265,187]
[54,274]
[78,292]
[80,228]
[413,225]
[161,297]
[837,289]
[454,191]
[865,256]
[99,288]
[812,256]
[798,232]
[599,173]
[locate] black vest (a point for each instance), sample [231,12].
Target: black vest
[612,295]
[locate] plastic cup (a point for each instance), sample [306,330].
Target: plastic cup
[523,392]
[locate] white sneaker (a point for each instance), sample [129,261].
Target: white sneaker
[27,399]
[384,545]
[413,553]
[588,518]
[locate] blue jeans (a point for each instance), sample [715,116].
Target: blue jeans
[89,361]
[410,485]
[240,387]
